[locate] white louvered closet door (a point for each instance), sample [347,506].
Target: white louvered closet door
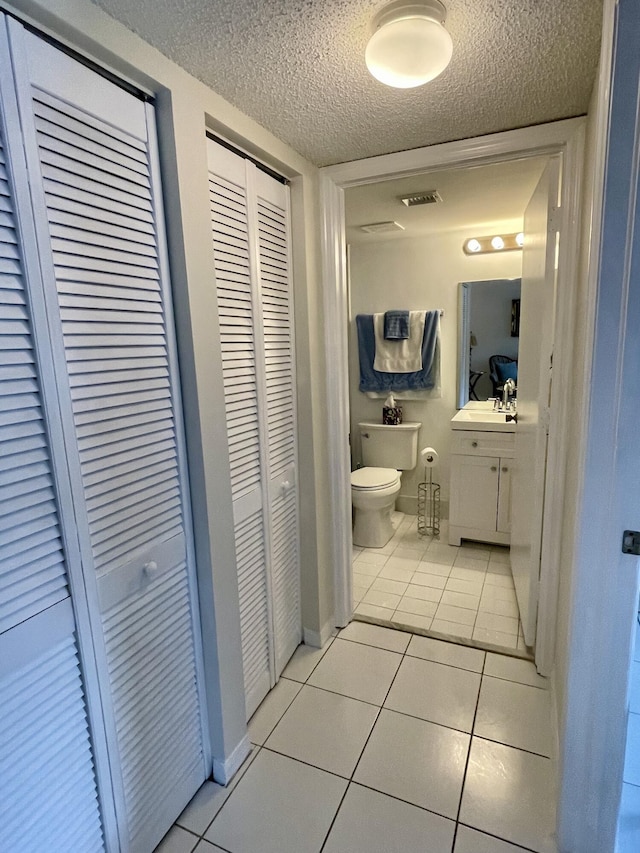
[48,795]
[90,150]
[250,224]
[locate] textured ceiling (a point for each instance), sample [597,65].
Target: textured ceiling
[297,67]
[472,200]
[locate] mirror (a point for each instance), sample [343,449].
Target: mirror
[488,324]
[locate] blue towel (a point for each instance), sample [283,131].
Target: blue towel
[396,325]
[374,380]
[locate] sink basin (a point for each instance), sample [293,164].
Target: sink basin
[480,418]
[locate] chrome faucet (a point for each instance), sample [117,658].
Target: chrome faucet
[508,389]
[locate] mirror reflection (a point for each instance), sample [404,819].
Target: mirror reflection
[488,336]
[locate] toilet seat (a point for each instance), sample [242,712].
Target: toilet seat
[370,479]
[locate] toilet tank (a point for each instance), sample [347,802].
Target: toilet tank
[386,446]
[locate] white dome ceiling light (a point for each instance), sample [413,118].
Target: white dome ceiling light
[409,45]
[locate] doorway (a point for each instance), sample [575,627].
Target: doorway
[562,138]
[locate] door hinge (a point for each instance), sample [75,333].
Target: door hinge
[631,542]
[554,219]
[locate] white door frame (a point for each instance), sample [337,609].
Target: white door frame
[565,138]
[605,581]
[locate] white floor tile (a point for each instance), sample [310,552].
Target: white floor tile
[396,573]
[440,553]
[325,729]
[511,794]
[514,714]
[371,822]
[374,635]
[384,613]
[412,620]
[447,653]
[280,804]
[427,579]
[497,567]
[417,606]
[407,563]
[410,551]
[461,599]
[495,638]
[629,820]
[417,761]
[355,670]
[431,568]
[372,570]
[209,800]
[470,561]
[177,840]
[388,585]
[456,614]
[472,841]
[475,575]
[453,629]
[373,558]
[363,580]
[493,579]
[489,604]
[514,669]
[381,599]
[494,622]
[272,708]
[435,692]
[207,847]
[477,550]
[500,555]
[426,593]
[469,587]
[304,661]
[499,593]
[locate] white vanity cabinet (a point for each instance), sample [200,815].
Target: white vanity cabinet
[480,489]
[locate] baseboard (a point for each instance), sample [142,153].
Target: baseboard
[224,771]
[317,639]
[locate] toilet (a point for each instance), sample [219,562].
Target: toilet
[386,452]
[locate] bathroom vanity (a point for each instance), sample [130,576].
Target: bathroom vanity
[482,453]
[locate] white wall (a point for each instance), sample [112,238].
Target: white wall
[419,273]
[185,109]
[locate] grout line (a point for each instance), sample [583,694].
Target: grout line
[407,802]
[498,838]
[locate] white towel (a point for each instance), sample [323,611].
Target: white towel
[404,356]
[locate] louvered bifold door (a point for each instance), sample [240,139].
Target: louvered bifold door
[91,153]
[276,301]
[48,796]
[235,276]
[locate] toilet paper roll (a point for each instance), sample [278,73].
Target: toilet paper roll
[429,457]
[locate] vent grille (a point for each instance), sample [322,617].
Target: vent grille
[427,197]
[377,227]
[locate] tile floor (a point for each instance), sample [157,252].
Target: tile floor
[426,585]
[384,742]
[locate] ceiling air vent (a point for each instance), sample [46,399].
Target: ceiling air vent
[379,227]
[427,197]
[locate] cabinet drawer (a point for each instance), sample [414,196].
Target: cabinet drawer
[478,443]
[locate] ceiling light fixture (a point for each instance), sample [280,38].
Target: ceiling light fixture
[494,243]
[409,45]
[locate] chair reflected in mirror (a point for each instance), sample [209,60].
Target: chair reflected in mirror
[501,368]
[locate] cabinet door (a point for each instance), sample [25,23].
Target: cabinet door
[95,192]
[474,492]
[504,497]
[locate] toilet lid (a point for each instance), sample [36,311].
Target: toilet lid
[373,478]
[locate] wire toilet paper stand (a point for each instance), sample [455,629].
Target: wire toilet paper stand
[429,498]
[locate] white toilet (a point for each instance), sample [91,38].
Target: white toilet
[386,451]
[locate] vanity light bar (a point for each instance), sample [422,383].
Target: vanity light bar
[493,243]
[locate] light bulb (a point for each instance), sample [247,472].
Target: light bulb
[520,239]
[497,242]
[410,46]
[473,245]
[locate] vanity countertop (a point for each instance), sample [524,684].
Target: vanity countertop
[479,415]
